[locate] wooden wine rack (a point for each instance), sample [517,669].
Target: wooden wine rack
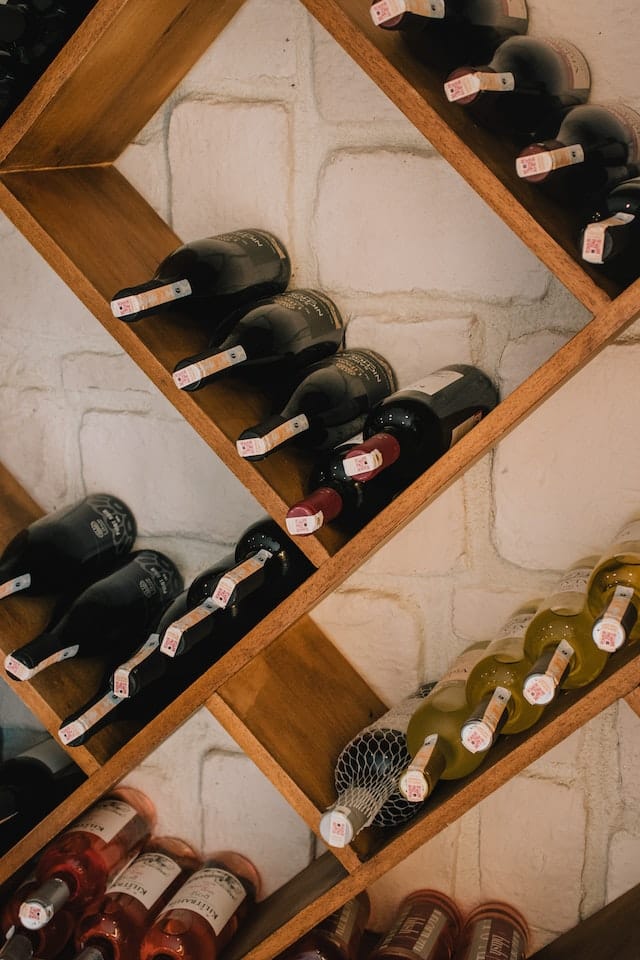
[284,686]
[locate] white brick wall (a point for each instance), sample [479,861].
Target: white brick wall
[276,127]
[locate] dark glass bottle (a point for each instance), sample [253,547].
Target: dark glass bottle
[328,406]
[45,943]
[32,784]
[415,426]
[337,937]
[68,549]
[108,618]
[493,931]
[525,89]
[289,566]
[426,926]
[210,279]
[596,147]
[612,237]
[276,337]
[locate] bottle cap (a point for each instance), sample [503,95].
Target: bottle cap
[365,461]
[476,736]
[539,689]
[308,515]
[609,634]
[340,824]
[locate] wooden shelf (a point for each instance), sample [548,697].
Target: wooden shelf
[58,185]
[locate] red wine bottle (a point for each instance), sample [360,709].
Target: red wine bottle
[328,406]
[415,426]
[108,618]
[525,89]
[277,336]
[66,550]
[444,33]
[337,937]
[594,149]
[210,279]
[76,866]
[612,237]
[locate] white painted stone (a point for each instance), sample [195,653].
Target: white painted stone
[521,357]
[145,166]
[415,347]
[479,612]
[229,168]
[173,483]
[624,856]
[104,372]
[564,478]
[20,729]
[629,753]
[400,218]
[243,811]
[562,762]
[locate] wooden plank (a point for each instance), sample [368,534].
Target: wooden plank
[612,933]
[633,700]
[486,162]
[108,81]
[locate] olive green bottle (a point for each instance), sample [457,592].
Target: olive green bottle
[494,686]
[613,591]
[558,641]
[433,734]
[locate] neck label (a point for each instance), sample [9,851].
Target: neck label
[76,728]
[196,372]
[20,671]
[537,163]
[122,674]
[386,10]
[147,878]
[173,634]
[15,585]
[148,299]
[470,84]
[258,446]
[300,526]
[214,894]
[227,585]
[593,240]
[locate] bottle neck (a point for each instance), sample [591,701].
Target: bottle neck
[15,575]
[17,947]
[355,809]
[548,673]
[424,771]
[390,14]
[78,727]
[132,303]
[466,84]
[366,460]
[259,441]
[241,347]
[136,673]
[480,729]
[9,803]
[43,903]
[308,515]
[40,653]
[606,239]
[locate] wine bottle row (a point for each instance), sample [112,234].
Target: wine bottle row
[32,32]
[501,686]
[131,610]
[533,92]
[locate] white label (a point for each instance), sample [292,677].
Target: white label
[15,585]
[147,299]
[463,428]
[434,382]
[49,753]
[227,584]
[105,820]
[212,893]
[549,160]
[121,675]
[299,526]
[629,533]
[515,627]
[147,878]
[258,446]
[173,634]
[20,671]
[471,83]
[195,372]
[386,10]
[362,463]
[593,239]
[575,581]
[413,786]
[460,668]
[340,832]
[578,76]
[71,731]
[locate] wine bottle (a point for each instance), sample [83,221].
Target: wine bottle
[444,33]
[277,336]
[328,406]
[32,784]
[210,279]
[366,776]
[36,32]
[206,912]
[613,591]
[558,641]
[525,89]
[290,566]
[595,148]
[113,928]
[494,687]
[15,81]
[69,548]
[612,237]
[76,866]
[433,731]
[426,925]
[103,708]
[108,618]
[46,943]
[494,931]
[419,423]
[337,937]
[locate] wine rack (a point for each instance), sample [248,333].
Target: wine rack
[276,690]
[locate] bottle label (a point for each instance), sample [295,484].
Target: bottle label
[463,428]
[515,627]
[256,242]
[300,526]
[20,671]
[227,584]
[76,728]
[173,634]
[212,893]
[470,84]
[196,372]
[577,69]
[415,935]
[340,831]
[49,753]
[111,519]
[495,939]
[148,299]
[386,10]
[160,575]
[540,688]
[593,239]
[15,585]
[609,632]
[320,312]
[413,783]
[369,367]
[460,669]
[397,718]
[147,878]
[479,734]
[258,446]
[105,820]
[341,924]
[629,533]
[435,382]
[559,661]
[548,160]
[573,581]
[630,120]
[122,674]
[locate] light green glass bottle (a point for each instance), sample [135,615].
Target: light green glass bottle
[494,686]
[433,734]
[558,642]
[613,591]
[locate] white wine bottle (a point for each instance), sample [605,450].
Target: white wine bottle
[613,591]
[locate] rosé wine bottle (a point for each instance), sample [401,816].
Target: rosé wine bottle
[425,928]
[493,931]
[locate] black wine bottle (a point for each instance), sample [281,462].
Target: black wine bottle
[35,32]
[278,335]
[200,616]
[31,785]
[612,237]
[415,426]
[328,406]
[108,618]
[66,550]
[595,148]
[210,279]
[525,89]
[445,33]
